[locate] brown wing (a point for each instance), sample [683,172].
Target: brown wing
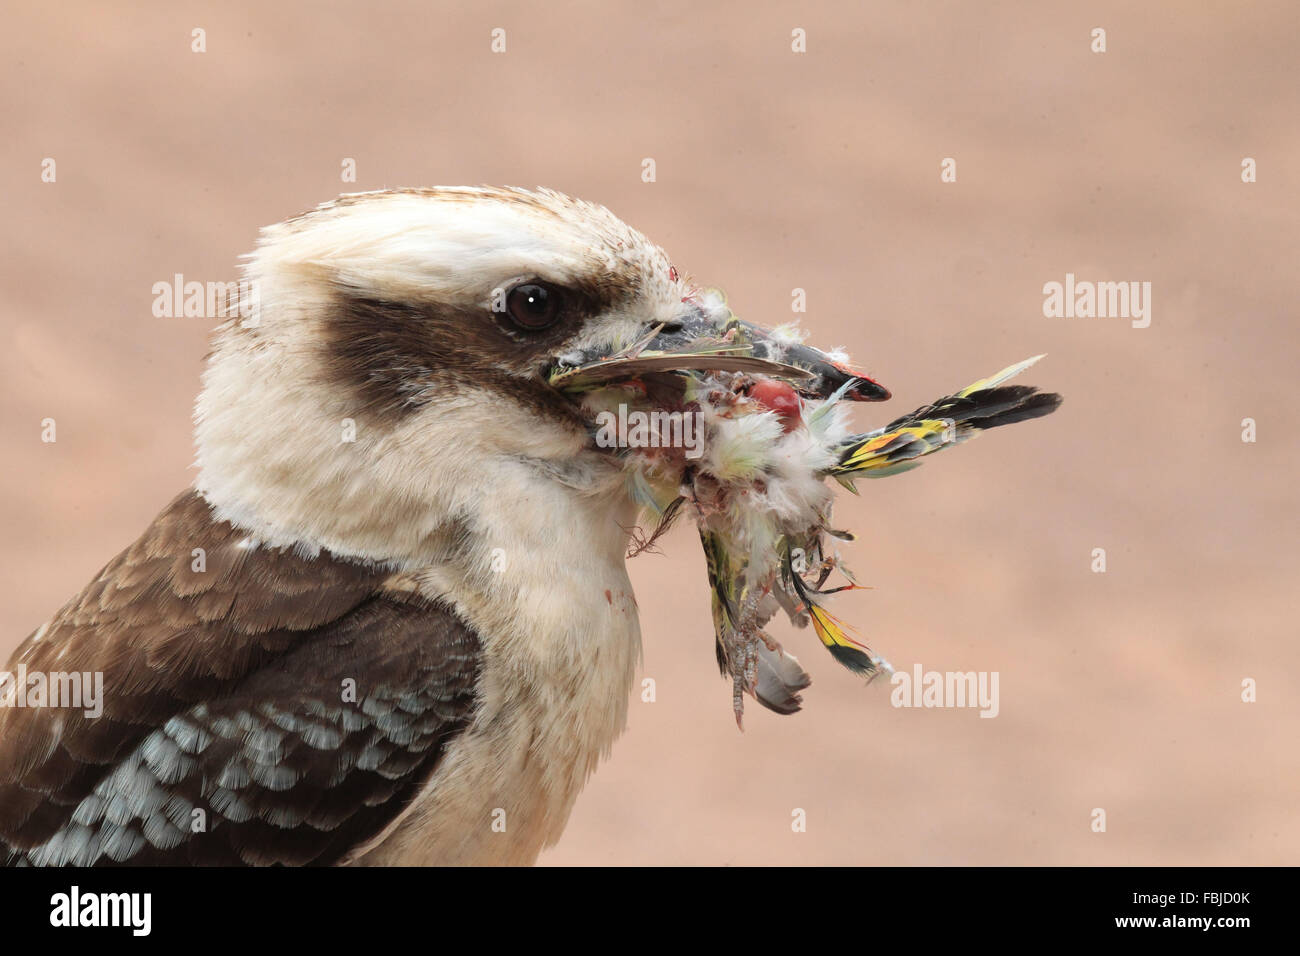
[259,706]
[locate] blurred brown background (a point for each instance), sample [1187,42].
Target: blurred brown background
[775,170]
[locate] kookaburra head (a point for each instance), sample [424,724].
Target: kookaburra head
[389,398]
[391,622]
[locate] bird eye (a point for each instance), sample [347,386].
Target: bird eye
[533,306]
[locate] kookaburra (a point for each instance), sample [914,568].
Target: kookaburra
[408,635]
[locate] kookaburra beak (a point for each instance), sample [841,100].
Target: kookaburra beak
[696,340]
